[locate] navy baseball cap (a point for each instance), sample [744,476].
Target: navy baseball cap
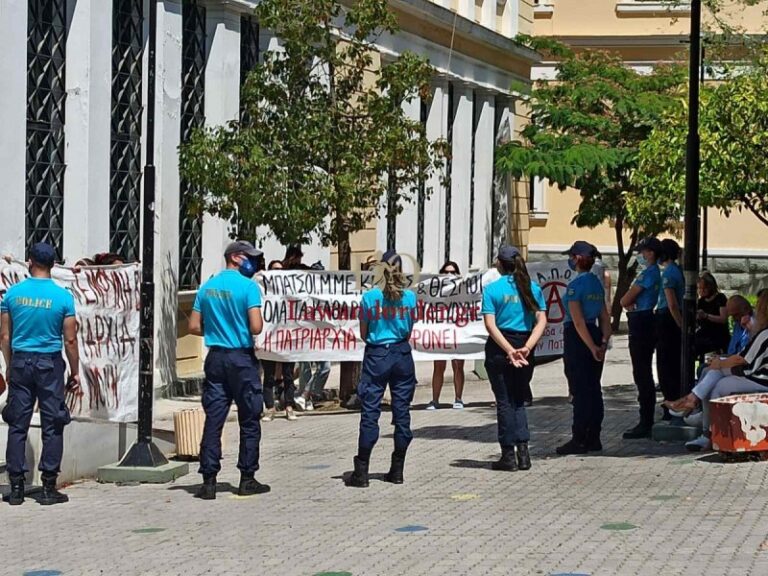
[392,258]
[241,246]
[508,253]
[43,254]
[653,244]
[581,248]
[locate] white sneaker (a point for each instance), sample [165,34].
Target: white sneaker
[290,414]
[696,419]
[268,415]
[701,444]
[432,405]
[310,405]
[458,404]
[301,403]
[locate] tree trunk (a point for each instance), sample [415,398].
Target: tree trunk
[626,272]
[350,371]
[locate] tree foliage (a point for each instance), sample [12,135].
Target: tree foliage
[321,132]
[733,127]
[585,132]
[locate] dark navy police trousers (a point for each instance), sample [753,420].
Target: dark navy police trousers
[584,373]
[231,375]
[511,387]
[642,343]
[384,365]
[36,377]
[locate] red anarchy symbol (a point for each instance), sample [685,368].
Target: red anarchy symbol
[555,306]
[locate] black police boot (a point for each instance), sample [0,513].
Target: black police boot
[523,456]
[593,441]
[642,430]
[395,475]
[507,461]
[16,497]
[359,478]
[250,486]
[208,490]
[573,446]
[50,495]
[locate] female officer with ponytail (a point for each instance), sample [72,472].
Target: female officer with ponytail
[669,323]
[639,302]
[585,339]
[387,314]
[515,316]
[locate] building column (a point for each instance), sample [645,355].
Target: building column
[13,119]
[461,174]
[222,104]
[483,182]
[408,220]
[504,124]
[519,202]
[167,137]
[88,130]
[434,210]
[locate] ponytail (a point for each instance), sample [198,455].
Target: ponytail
[394,282]
[518,272]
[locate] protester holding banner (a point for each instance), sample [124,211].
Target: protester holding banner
[585,340]
[515,317]
[387,315]
[438,370]
[639,302]
[227,313]
[34,316]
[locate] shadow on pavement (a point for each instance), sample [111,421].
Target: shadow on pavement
[192,488]
[473,464]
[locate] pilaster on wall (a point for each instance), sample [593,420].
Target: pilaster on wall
[434,210]
[167,136]
[87,130]
[222,104]
[408,220]
[13,106]
[483,182]
[525,17]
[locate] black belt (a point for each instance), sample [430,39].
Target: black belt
[222,349]
[367,345]
[640,312]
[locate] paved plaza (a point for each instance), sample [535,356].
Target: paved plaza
[638,508]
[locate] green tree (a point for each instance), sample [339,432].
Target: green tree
[321,134]
[733,127]
[585,132]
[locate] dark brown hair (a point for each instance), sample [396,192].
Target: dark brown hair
[518,272]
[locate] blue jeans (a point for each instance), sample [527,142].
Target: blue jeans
[584,373]
[314,384]
[510,386]
[390,365]
[231,375]
[34,377]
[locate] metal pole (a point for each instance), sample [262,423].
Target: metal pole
[704,210]
[144,453]
[692,163]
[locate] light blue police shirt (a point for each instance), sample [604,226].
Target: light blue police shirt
[502,299]
[672,277]
[650,281]
[224,302]
[388,322]
[587,290]
[38,307]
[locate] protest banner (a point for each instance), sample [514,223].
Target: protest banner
[313,315]
[107,303]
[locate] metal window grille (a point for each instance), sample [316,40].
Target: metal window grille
[192,116]
[449,168]
[391,211]
[249,59]
[422,196]
[46,96]
[125,148]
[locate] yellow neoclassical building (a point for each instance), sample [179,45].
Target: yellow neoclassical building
[643,32]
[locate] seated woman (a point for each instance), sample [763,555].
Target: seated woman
[712,334]
[737,374]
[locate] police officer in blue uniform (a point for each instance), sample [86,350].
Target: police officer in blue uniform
[388,312]
[586,333]
[515,316]
[35,314]
[639,302]
[669,323]
[227,313]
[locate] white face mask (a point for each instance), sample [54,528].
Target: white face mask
[641,260]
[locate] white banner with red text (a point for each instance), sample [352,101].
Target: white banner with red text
[312,315]
[107,304]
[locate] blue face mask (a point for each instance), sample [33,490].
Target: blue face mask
[572,264]
[641,260]
[248,268]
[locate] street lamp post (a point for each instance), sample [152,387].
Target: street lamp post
[704,210]
[692,163]
[144,452]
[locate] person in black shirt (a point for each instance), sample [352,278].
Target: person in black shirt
[712,334]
